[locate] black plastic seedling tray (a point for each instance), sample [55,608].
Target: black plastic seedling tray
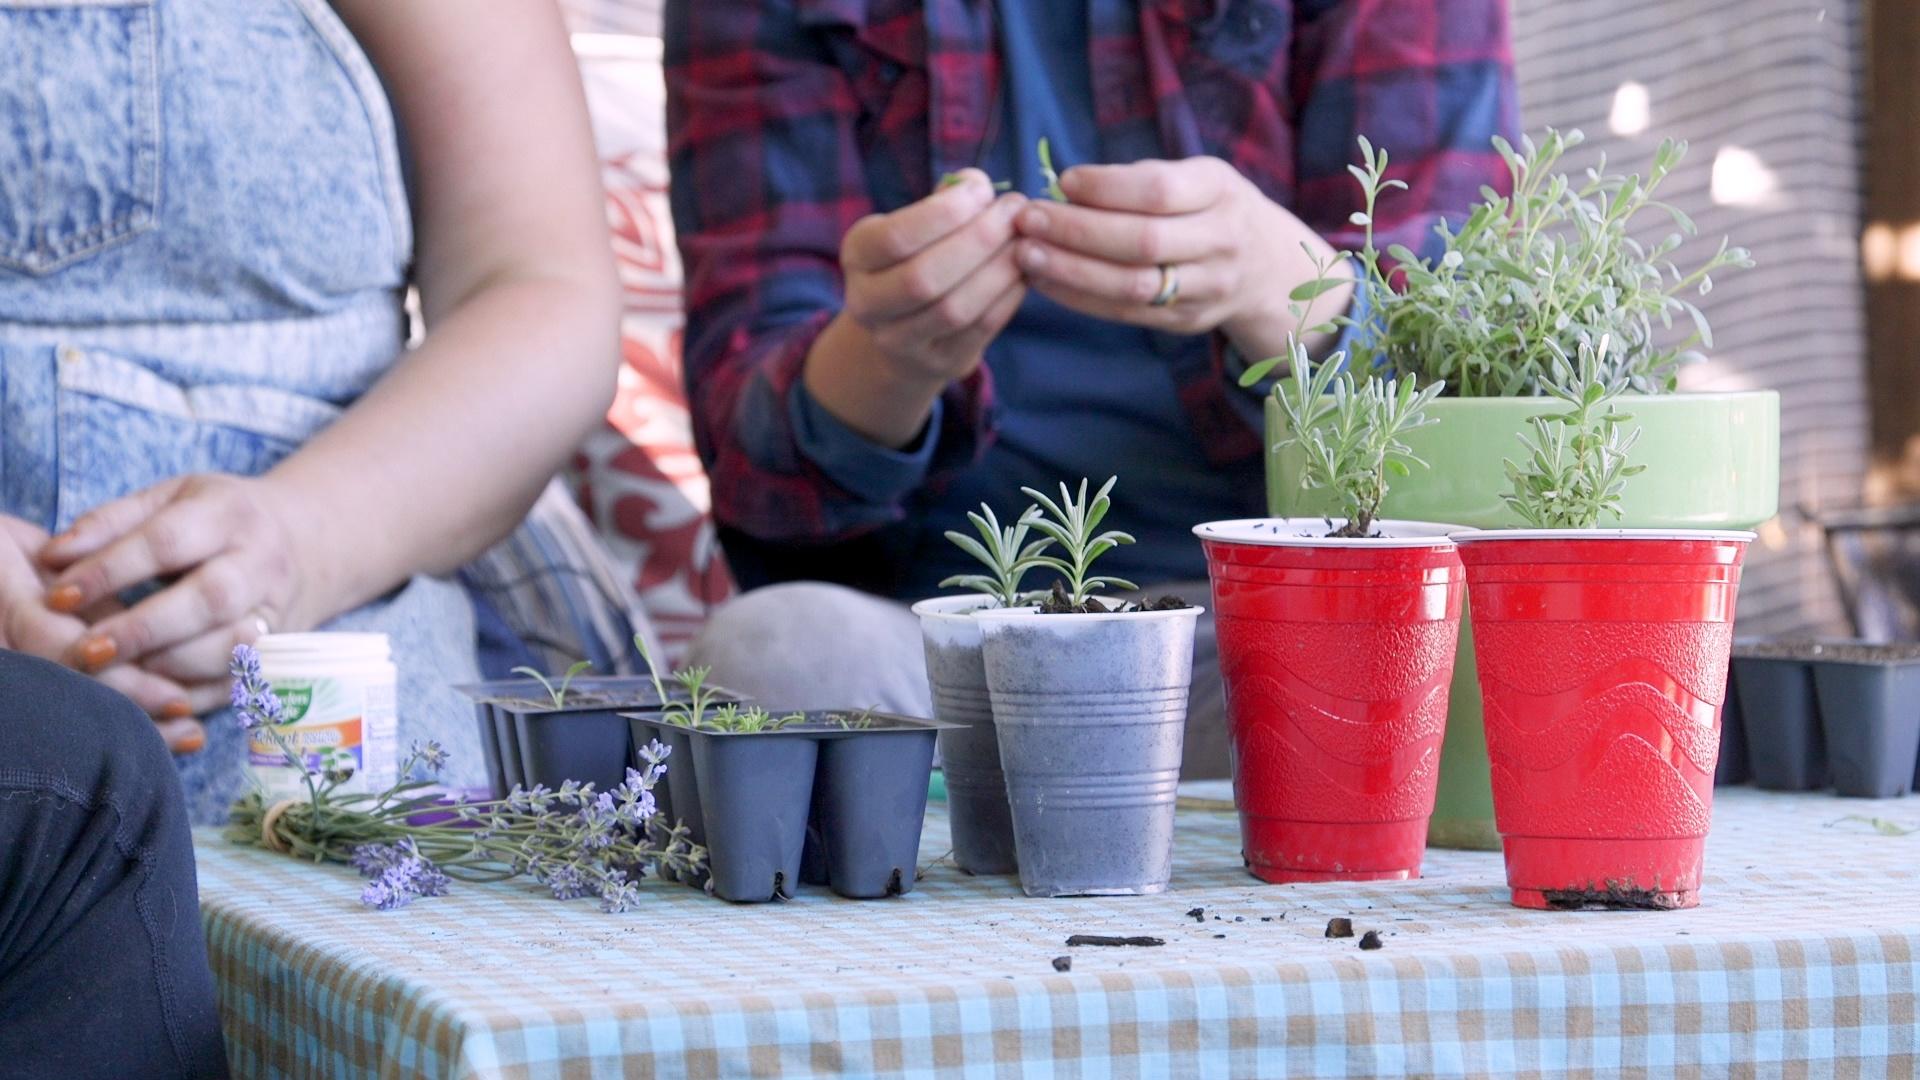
[1832,711]
[1870,706]
[1786,745]
[1732,767]
[528,742]
[810,804]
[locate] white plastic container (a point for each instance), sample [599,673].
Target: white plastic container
[339,691]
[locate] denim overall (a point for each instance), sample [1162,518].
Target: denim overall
[204,248]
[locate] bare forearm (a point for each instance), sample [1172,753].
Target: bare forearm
[445,454]
[845,374]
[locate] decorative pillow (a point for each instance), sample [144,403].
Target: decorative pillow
[639,478]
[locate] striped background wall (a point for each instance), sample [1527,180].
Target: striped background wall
[1771,90]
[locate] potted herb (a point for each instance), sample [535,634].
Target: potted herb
[957,679]
[1336,642]
[1090,703]
[784,799]
[1602,656]
[1522,284]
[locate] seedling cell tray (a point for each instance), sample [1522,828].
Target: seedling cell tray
[528,742]
[814,803]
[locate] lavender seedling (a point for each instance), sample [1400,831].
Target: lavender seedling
[1351,433]
[1071,523]
[1005,551]
[733,719]
[1576,462]
[1048,172]
[557,693]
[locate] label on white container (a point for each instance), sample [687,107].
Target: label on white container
[340,694]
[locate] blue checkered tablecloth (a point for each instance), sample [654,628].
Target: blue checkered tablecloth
[1800,962]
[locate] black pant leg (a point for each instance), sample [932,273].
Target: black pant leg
[103,963]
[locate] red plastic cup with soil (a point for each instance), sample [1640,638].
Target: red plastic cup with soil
[1337,655]
[1603,666]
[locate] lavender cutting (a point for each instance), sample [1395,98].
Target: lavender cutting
[576,841]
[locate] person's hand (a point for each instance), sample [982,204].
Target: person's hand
[222,546]
[928,287]
[1234,253]
[29,625]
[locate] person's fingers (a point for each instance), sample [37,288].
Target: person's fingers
[959,309]
[880,240]
[1177,318]
[25,536]
[1058,268]
[1150,187]
[974,340]
[156,695]
[927,278]
[205,657]
[1140,239]
[216,594]
[183,736]
[178,537]
[106,523]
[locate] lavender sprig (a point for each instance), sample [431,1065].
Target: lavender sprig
[576,841]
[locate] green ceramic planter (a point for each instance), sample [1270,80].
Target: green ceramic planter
[1713,462]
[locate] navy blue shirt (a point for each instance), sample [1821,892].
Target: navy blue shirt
[1075,396]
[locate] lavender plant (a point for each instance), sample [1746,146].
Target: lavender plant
[575,841]
[557,693]
[1534,277]
[1071,522]
[1005,551]
[1350,433]
[1576,462]
[693,710]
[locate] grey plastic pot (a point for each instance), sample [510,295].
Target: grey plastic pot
[1091,713]
[970,753]
[1785,744]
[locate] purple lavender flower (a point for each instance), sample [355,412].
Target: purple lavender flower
[372,860]
[410,875]
[431,755]
[655,752]
[618,895]
[252,697]
[598,816]
[566,882]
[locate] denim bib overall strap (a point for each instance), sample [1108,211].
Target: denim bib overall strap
[204,252]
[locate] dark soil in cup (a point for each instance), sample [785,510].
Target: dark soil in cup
[1058,602]
[1611,898]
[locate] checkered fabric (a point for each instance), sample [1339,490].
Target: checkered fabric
[1800,963]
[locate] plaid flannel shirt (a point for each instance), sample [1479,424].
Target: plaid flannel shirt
[789,120]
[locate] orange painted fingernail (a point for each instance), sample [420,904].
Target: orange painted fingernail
[97,652]
[176,710]
[65,599]
[190,743]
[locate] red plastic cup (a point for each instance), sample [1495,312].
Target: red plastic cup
[1603,663]
[1336,656]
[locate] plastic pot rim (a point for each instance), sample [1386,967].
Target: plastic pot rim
[1469,536]
[1396,533]
[903,725]
[999,616]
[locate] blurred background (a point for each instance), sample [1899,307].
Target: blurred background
[1804,125]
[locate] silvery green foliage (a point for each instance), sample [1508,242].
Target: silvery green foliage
[1005,551]
[1350,433]
[1071,522]
[1576,462]
[1531,279]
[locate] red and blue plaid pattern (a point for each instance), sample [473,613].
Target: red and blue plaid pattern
[789,120]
